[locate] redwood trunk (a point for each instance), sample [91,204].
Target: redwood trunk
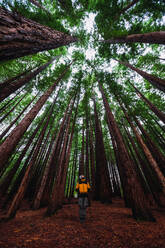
[139,205]
[157,112]
[11,88]
[20,36]
[157,82]
[103,186]
[47,168]
[13,139]
[151,38]
[14,121]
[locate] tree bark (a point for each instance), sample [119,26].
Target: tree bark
[9,102]
[158,156]
[11,88]
[13,139]
[148,154]
[155,81]
[154,109]
[139,204]
[11,173]
[47,168]
[7,114]
[11,80]
[24,184]
[55,199]
[37,4]
[81,162]
[151,38]
[20,36]
[14,121]
[103,186]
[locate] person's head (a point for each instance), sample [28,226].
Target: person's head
[82,177]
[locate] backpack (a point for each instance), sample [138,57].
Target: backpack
[83,187]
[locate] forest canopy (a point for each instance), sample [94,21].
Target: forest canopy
[82,92]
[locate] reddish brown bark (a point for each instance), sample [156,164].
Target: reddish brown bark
[55,199]
[7,179]
[147,153]
[20,36]
[49,163]
[151,38]
[157,154]
[133,189]
[103,186]
[24,184]
[7,114]
[81,162]
[92,161]
[11,80]
[68,152]
[11,88]
[157,82]
[151,181]
[37,4]
[14,121]
[87,148]
[157,112]
[13,139]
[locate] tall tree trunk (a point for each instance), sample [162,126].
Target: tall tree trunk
[8,177]
[153,184]
[7,114]
[158,156]
[75,156]
[47,168]
[92,161]
[155,81]
[87,147]
[14,121]
[81,162]
[139,204]
[9,89]
[55,199]
[157,37]
[24,184]
[20,36]
[10,102]
[148,154]
[64,173]
[128,6]
[37,4]
[11,80]
[13,139]
[37,165]
[157,112]
[103,186]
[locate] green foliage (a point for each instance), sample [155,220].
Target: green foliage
[84,74]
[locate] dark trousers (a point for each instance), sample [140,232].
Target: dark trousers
[83,204]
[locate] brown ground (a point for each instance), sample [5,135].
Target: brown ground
[107,226]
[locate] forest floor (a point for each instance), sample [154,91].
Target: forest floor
[106,226]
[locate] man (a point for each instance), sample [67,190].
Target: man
[83,188]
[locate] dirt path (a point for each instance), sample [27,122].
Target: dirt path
[107,226]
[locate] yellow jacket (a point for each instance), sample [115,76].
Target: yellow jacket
[83,187]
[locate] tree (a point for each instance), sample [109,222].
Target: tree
[13,139]
[151,38]
[26,36]
[18,83]
[155,81]
[138,203]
